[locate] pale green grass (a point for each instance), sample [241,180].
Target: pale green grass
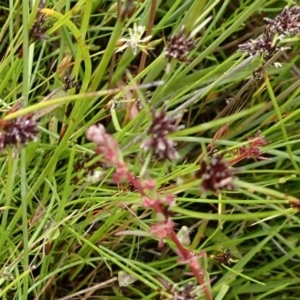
[59,238]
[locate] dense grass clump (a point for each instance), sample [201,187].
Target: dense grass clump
[149,150]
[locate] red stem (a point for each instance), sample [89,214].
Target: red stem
[186,254]
[237,159]
[136,183]
[197,273]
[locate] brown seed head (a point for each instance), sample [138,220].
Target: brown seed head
[215,174]
[162,125]
[179,46]
[18,132]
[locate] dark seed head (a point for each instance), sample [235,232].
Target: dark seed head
[215,174]
[38,30]
[179,46]
[71,83]
[287,23]
[162,125]
[18,132]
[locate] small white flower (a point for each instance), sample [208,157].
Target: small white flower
[135,39]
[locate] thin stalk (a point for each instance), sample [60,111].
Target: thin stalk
[187,255]
[279,116]
[101,68]
[143,57]
[25,91]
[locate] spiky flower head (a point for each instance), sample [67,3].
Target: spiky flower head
[287,23]
[265,45]
[216,175]
[159,142]
[71,83]
[135,39]
[254,147]
[38,30]
[18,132]
[179,46]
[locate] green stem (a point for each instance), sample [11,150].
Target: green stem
[109,51]
[25,91]
[281,122]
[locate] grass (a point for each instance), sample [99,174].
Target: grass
[64,236]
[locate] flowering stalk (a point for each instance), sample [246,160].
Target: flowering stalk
[164,228]
[286,24]
[38,30]
[252,150]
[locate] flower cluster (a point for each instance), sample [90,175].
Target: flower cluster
[251,150]
[215,174]
[105,144]
[163,229]
[17,132]
[163,147]
[179,46]
[254,147]
[135,40]
[265,45]
[164,201]
[38,30]
[160,204]
[287,23]
[109,148]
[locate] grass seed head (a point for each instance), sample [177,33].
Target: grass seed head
[179,46]
[164,147]
[216,175]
